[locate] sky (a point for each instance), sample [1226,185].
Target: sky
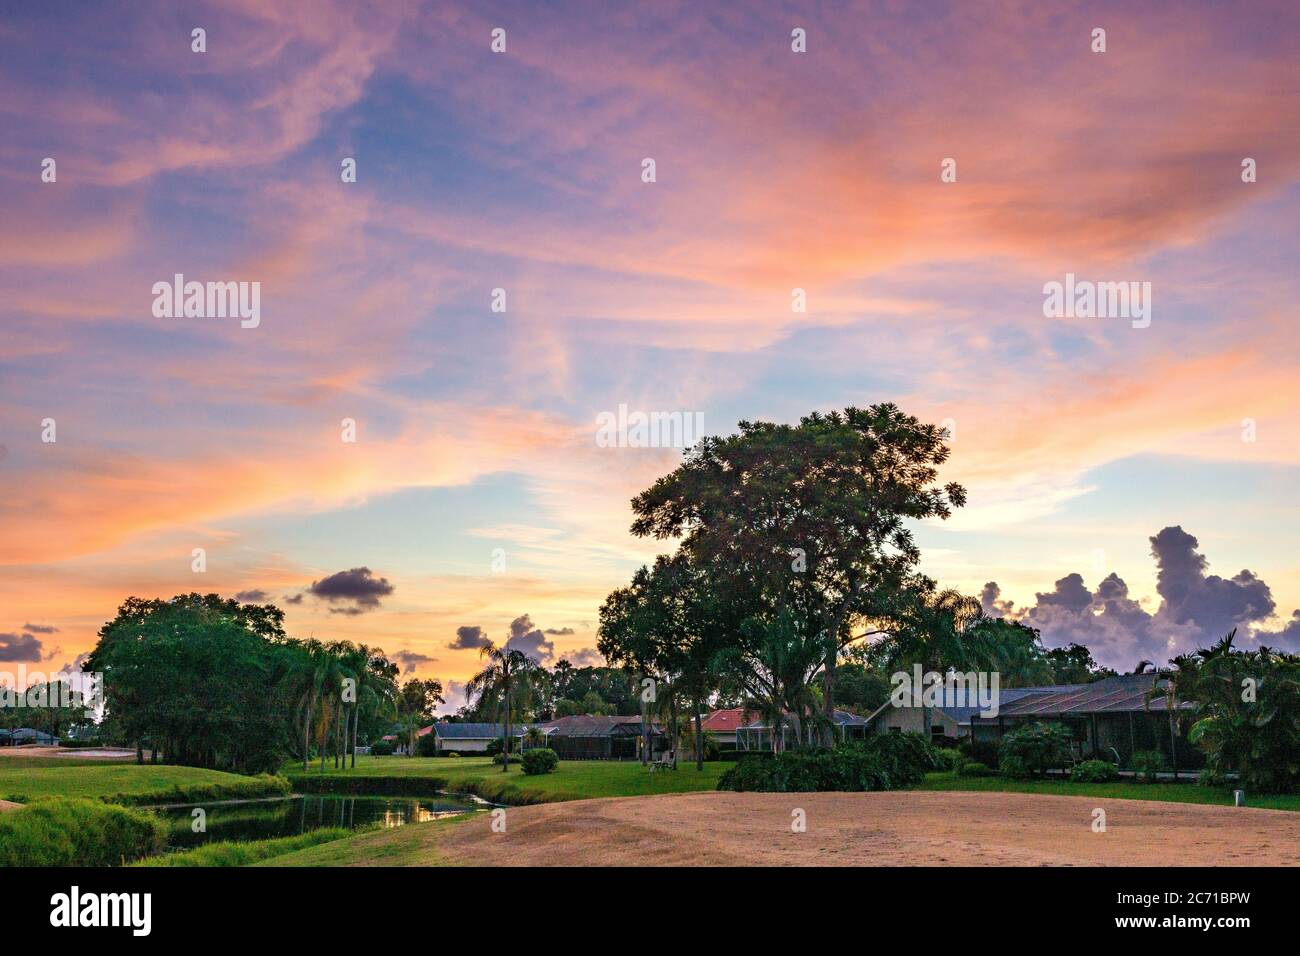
[1132,486]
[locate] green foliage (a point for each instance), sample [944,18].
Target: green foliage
[1147,764]
[882,762]
[500,758]
[1012,766]
[950,758]
[1247,718]
[495,746]
[238,788]
[452,754]
[540,760]
[427,746]
[246,852]
[1040,746]
[1094,771]
[973,768]
[68,831]
[382,748]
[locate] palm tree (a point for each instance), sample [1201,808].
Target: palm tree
[507,671]
[309,678]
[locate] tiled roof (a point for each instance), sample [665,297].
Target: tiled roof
[472,731]
[727,721]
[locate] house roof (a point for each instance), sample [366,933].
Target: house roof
[586,725]
[728,721]
[1119,694]
[473,731]
[842,719]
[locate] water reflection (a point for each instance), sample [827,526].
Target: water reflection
[289,816]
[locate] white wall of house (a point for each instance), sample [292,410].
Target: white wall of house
[911,720]
[464,744]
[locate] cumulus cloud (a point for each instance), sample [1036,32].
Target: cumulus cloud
[469,638]
[1286,639]
[586,657]
[358,588]
[255,596]
[526,637]
[20,647]
[410,660]
[1196,608]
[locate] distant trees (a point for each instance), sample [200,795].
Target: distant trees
[212,682]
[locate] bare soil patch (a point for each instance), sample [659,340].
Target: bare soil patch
[875,829]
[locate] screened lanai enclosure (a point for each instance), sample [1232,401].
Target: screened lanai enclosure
[584,737]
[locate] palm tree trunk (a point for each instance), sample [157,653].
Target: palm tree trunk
[673,704]
[306,737]
[356,719]
[699,734]
[505,744]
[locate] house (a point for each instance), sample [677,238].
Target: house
[26,735]
[757,735]
[1109,719]
[585,737]
[472,738]
[723,724]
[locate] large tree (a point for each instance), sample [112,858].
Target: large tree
[504,678]
[809,523]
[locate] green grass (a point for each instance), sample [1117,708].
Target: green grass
[572,780]
[412,845]
[120,782]
[247,852]
[1122,790]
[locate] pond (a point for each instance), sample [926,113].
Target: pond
[289,816]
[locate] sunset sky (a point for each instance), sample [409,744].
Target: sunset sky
[1080,439]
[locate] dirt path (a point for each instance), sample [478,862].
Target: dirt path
[9,805]
[871,829]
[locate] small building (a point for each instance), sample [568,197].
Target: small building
[757,735]
[472,738]
[585,737]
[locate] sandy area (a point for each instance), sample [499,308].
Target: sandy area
[8,805]
[94,753]
[872,829]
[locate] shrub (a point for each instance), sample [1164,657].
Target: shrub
[907,758]
[540,760]
[67,831]
[452,754]
[1146,764]
[848,767]
[974,768]
[80,744]
[951,759]
[382,748]
[495,746]
[1094,771]
[1213,778]
[500,758]
[1040,747]
[1012,766]
[427,746]
[246,852]
[982,751]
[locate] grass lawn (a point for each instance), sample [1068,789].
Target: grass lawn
[411,845]
[572,780]
[48,779]
[1122,790]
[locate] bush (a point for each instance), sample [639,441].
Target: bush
[540,760]
[500,758]
[452,753]
[1213,778]
[882,762]
[982,751]
[1013,766]
[66,831]
[495,746]
[427,746]
[1040,747]
[382,748]
[1094,771]
[951,759]
[73,742]
[246,852]
[974,768]
[1146,764]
